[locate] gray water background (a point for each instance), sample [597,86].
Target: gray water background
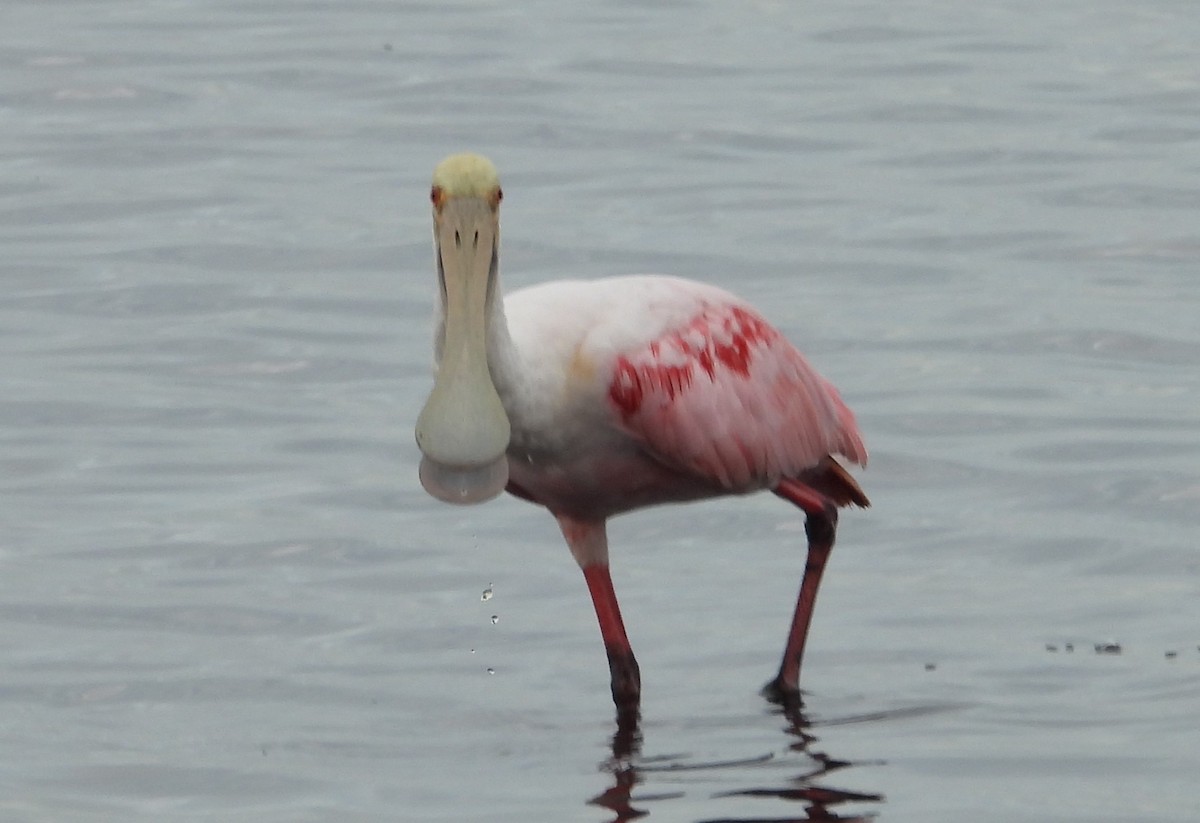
[223,594]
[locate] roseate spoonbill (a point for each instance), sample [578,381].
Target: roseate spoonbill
[593,398]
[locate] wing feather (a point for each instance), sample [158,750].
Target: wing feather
[726,396]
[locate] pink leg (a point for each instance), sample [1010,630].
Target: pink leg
[589,545]
[820,526]
[626,679]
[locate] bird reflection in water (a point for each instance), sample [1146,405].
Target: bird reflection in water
[629,770]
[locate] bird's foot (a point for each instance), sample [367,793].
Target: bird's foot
[781,694]
[629,728]
[626,681]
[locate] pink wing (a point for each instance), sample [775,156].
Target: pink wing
[728,397]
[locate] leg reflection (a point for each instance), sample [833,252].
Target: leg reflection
[626,748]
[629,770]
[820,800]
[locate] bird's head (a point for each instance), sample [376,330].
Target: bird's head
[463,430]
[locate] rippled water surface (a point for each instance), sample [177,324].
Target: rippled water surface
[224,596]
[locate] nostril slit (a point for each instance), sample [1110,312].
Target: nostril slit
[476,243]
[457,239]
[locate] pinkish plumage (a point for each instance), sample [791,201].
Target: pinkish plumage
[727,397]
[631,391]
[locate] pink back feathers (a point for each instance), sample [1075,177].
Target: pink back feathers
[727,397]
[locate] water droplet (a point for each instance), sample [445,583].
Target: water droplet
[487,594]
[491,670]
[495,619]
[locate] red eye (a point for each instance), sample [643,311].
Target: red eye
[436,196]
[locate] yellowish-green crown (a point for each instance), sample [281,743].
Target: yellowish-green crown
[466,175]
